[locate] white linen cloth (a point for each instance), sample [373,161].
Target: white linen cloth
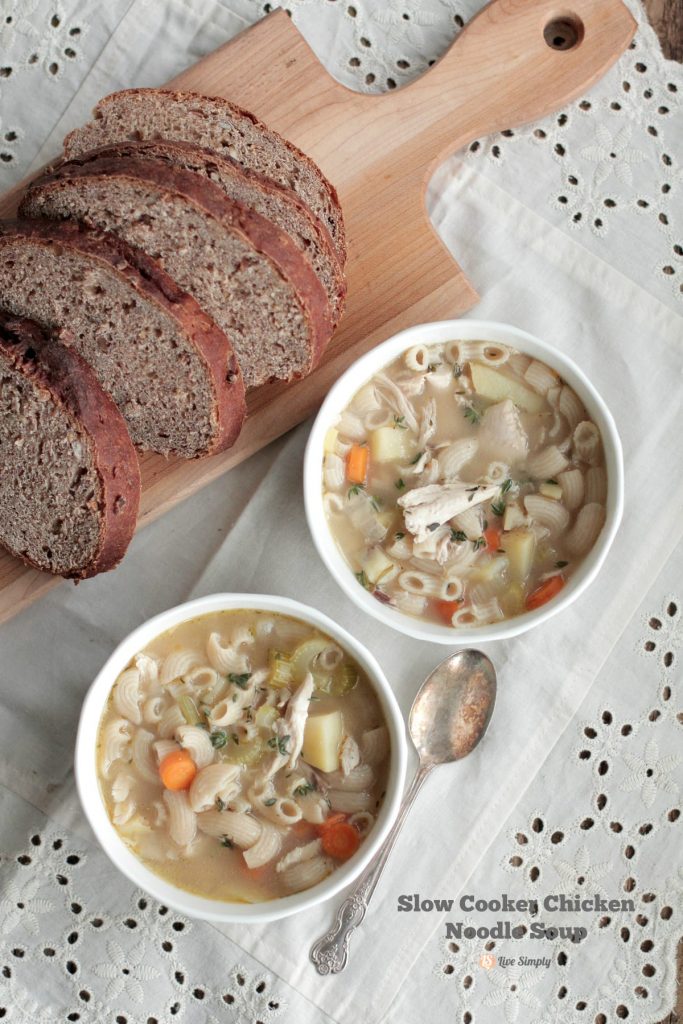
[602,296]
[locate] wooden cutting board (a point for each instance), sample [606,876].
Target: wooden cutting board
[517,61]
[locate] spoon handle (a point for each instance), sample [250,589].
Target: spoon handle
[331,952]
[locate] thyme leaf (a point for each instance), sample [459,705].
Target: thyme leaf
[240,679]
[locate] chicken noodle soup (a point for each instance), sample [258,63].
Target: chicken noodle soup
[243,756]
[464,483]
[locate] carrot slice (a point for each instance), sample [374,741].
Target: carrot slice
[357,464]
[341,840]
[546,592]
[446,610]
[492,538]
[177,770]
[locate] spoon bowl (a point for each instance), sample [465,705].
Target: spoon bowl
[453,708]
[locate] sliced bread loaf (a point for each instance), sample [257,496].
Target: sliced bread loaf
[69,475]
[278,204]
[168,367]
[141,114]
[242,269]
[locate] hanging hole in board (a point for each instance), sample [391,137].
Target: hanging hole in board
[564,32]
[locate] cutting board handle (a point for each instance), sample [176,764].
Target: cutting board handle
[515,62]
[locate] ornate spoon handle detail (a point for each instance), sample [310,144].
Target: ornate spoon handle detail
[331,952]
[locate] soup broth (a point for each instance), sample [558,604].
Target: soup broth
[465,483]
[242,756]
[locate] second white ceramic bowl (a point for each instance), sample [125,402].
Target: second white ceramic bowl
[371,363]
[112,843]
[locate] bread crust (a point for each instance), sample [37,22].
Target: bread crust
[68,381]
[259,232]
[149,279]
[202,162]
[72,147]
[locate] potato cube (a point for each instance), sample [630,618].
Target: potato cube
[389,444]
[549,490]
[491,384]
[519,546]
[322,738]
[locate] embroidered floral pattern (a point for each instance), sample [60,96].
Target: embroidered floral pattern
[112,954]
[629,782]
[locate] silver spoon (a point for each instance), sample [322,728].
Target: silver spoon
[449,716]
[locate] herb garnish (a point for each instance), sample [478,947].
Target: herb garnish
[220,804]
[457,370]
[433,526]
[472,415]
[227,842]
[561,565]
[356,489]
[400,423]
[235,738]
[218,739]
[376,502]
[498,507]
[399,484]
[304,789]
[507,484]
[282,744]
[480,542]
[400,535]
[269,803]
[240,679]
[458,535]
[551,482]
[414,462]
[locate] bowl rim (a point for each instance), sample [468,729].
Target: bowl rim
[87,782]
[357,374]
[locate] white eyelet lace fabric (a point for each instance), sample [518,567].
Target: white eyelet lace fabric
[612,827]
[570,228]
[72,950]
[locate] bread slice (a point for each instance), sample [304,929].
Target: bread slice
[168,367]
[244,271]
[278,204]
[142,114]
[69,475]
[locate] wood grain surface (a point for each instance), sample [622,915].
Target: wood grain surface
[666,17]
[517,61]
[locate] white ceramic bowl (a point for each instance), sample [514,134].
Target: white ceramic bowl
[358,374]
[130,865]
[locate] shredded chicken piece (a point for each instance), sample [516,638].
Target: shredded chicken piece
[501,432]
[419,466]
[397,401]
[427,508]
[294,720]
[349,755]
[434,546]
[299,853]
[427,423]
[411,384]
